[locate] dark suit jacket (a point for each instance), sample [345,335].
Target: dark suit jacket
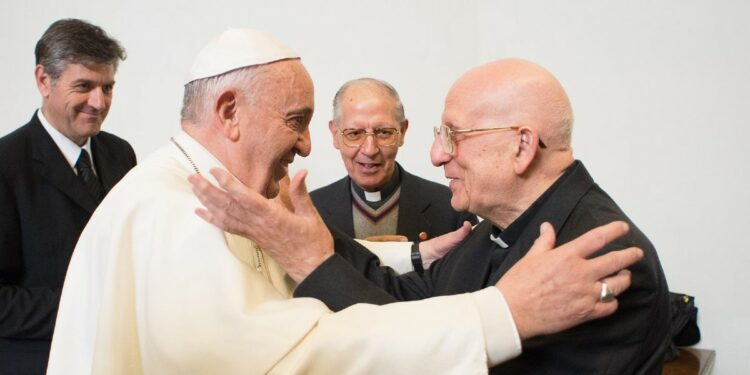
[424,206]
[631,341]
[43,209]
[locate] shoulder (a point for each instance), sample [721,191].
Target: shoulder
[158,181]
[424,187]
[436,197]
[113,141]
[117,148]
[14,148]
[330,191]
[597,208]
[20,134]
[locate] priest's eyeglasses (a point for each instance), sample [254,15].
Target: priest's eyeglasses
[447,135]
[383,136]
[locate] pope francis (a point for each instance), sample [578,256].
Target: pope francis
[152,288]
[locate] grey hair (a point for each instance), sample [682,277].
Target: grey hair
[561,118]
[74,41]
[200,94]
[383,85]
[565,129]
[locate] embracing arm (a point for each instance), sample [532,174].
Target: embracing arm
[565,278]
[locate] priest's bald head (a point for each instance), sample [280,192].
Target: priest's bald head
[505,138]
[249,101]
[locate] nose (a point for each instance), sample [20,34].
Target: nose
[370,146]
[438,156]
[97,98]
[304,144]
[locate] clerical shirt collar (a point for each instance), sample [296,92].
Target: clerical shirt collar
[506,238]
[70,150]
[377,198]
[374,196]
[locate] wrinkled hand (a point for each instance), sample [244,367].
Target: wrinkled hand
[550,290]
[436,248]
[299,241]
[387,238]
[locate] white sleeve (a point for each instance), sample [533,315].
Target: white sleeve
[396,255]
[500,333]
[441,335]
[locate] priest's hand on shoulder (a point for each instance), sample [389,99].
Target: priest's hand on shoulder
[298,240]
[436,248]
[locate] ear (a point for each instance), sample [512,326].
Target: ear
[43,81]
[226,110]
[334,133]
[404,127]
[527,148]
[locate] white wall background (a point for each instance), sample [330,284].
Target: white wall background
[661,91]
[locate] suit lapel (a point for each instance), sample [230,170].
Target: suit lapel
[412,206]
[338,207]
[51,165]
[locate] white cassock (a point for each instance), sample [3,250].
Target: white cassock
[152,288]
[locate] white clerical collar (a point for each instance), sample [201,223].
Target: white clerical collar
[372,196]
[70,150]
[499,241]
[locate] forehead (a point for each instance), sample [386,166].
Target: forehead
[92,72]
[469,106]
[460,107]
[287,84]
[367,101]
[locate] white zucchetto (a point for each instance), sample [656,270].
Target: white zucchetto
[235,49]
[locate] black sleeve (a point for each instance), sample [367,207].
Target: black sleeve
[25,312]
[355,275]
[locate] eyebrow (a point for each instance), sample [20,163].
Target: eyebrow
[307,111]
[84,80]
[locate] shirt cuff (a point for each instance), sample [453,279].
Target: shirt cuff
[500,335]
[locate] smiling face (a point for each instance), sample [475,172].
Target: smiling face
[498,174]
[273,126]
[480,170]
[77,102]
[368,107]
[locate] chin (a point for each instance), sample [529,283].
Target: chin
[89,130]
[459,204]
[369,183]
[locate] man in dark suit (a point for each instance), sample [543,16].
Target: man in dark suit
[506,147]
[379,197]
[55,171]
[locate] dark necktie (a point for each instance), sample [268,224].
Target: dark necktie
[88,177]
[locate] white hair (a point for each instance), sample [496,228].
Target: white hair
[200,94]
